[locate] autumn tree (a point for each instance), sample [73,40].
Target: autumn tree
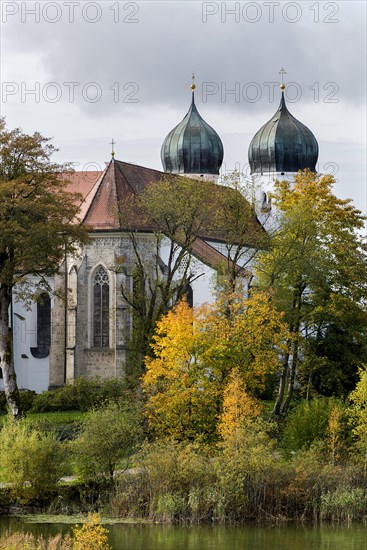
[197,353]
[177,392]
[163,223]
[37,229]
[245,333]
[176,215]
[239,409]
[316,268]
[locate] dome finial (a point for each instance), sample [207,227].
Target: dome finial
[193,86]
[282,72]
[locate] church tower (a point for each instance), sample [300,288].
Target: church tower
[277,151]
[193,148]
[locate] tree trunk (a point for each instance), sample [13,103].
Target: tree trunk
[292,378]
[6,363]
[282,383]
[293,371]
[294,327]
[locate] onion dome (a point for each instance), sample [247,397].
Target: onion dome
[283,144]
[192,147]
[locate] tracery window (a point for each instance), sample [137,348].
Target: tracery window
[101,299]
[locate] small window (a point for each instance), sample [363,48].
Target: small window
[101,313]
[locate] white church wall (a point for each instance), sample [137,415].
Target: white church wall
[204,286]
[264,185]
[32,372]
[203,275]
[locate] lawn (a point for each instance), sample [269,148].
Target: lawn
[58,417]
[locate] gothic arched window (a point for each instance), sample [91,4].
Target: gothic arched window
[101,299]
[43,327]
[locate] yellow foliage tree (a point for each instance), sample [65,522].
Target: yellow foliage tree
[194,353]
[242,333]
[179,400]
[239,407]
[358,414]
[316,267]
[334,432]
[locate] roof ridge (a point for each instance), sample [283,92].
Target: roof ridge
[93,192]
[123,175]
[140,166]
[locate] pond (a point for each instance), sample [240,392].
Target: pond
[158,537]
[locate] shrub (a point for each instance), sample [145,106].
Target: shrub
[315,483]
[173,483]
[107,435]
[358,416]
[26,400]
[91,535]
[27,541]
[178,476]
[80,395]
[344,504]
[246,467]
[307,422]
[31,460]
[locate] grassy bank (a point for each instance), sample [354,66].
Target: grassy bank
[245,481]
[307,467]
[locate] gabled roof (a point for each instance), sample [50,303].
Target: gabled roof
[104,194]
[102,200]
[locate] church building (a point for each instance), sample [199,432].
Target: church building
[57,340]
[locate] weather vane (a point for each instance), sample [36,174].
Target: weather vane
[113,149]
[282,72]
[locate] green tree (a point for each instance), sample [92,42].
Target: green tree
[108,435]
[312,420]
[235,225]
[37,228]
[316,268]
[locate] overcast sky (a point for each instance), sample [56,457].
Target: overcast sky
[122,70]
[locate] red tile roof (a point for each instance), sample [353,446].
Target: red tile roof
[104,194]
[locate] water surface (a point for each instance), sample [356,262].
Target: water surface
[157,537]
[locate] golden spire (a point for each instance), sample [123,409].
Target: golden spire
[113,149]
[193,85]
[282,72]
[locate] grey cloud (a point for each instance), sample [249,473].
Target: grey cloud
[159,53]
